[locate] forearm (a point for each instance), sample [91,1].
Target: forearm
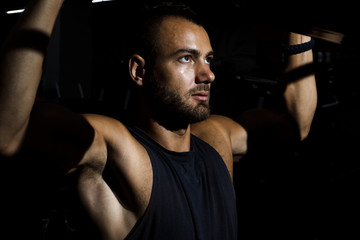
[21,62]
[300,93]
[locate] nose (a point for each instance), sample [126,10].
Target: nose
[204,74]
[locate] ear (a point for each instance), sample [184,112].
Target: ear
[136,69]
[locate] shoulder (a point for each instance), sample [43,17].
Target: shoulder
[107,127]
[225,135]
[114,137]
[218,128]
[113,133]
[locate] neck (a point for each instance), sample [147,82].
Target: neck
[174,139]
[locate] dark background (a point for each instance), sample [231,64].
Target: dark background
[307,193]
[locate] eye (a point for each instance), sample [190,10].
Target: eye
[185,59]
[208,60]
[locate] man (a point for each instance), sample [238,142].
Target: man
[167,174]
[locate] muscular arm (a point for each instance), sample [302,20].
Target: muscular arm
[264,126]
[21,62]
[300,93]
[300,99]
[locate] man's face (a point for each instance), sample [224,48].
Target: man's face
[181,78]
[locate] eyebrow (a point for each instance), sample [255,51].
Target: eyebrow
[194,52]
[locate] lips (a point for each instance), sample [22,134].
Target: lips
[201,95]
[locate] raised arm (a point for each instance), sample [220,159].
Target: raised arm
[21,62]
[300,92]
[287,124]
[299,96]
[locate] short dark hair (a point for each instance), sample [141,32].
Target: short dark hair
[146,31]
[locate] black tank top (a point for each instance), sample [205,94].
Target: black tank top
[192,197]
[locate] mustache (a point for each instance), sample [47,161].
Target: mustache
[200,88]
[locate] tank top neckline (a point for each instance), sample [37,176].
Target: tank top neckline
[177,155]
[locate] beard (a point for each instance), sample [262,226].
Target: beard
[173,110]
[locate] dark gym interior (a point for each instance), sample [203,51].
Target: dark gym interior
[305,193]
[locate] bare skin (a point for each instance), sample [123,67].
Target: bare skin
[183,65]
